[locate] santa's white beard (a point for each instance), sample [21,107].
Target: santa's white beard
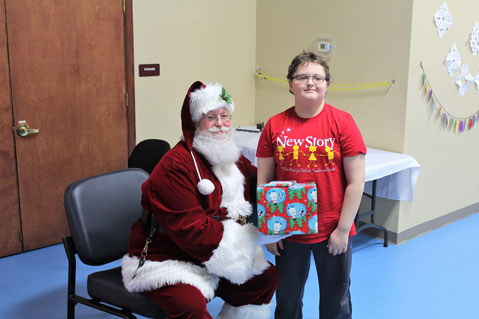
[218,149]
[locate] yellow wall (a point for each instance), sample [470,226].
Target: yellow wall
[209,40]
[449,178]
[371,44]
[375,41]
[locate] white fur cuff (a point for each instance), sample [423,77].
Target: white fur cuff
[247,311]
[237,257]
[155,274]
[238,209]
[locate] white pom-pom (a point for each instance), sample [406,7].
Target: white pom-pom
[205,187]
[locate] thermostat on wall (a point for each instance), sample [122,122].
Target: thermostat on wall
[324,47]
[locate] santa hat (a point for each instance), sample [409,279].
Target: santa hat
[209,98]
[201,99]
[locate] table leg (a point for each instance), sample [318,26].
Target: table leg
[371,213]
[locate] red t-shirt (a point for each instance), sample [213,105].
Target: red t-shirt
[312,150]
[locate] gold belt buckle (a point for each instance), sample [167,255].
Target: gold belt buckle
[242,220]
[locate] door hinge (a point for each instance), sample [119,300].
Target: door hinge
[126,99]
[124,6]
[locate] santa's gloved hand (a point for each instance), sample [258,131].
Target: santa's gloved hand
[238,257]
[238,210]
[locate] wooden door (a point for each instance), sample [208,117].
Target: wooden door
[68,80]
[10,230]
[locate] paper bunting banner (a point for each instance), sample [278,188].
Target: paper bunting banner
[450,121]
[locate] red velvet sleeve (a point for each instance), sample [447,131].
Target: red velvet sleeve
[186,215]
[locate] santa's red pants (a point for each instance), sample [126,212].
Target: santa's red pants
[182,301]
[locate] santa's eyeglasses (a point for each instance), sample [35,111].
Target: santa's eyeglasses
[214,118]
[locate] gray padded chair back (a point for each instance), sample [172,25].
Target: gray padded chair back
[101,210]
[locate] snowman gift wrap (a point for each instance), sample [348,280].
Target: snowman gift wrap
[287,207]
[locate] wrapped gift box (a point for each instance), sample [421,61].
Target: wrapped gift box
[287,207]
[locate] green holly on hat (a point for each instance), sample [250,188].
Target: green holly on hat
[225,96]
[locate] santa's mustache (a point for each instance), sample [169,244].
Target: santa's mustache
[216,129]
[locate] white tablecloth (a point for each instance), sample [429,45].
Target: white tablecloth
[396,174]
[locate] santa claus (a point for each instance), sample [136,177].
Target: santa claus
[202,246]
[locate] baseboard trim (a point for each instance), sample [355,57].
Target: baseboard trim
[398,238]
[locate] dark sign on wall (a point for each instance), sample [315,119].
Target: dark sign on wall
[149,69]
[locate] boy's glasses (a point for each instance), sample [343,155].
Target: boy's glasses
[305,78]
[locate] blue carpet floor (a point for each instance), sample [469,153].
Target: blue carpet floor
[432,276]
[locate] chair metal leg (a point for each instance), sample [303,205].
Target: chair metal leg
[70,252]
[105,308]
[73,299]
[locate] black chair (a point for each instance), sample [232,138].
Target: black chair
[100,211]
[147,154]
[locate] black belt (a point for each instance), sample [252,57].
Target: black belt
[148,220]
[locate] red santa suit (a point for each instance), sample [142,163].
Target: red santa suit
[200,242]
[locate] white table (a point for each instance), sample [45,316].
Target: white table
[396,174]
[388,174]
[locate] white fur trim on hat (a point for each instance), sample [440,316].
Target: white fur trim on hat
[205,187]
[208,99]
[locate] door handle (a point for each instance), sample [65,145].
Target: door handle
[24,130]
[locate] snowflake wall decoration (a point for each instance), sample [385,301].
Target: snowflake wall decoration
[464,79]
[474,41]
[443,19]
[453,60]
